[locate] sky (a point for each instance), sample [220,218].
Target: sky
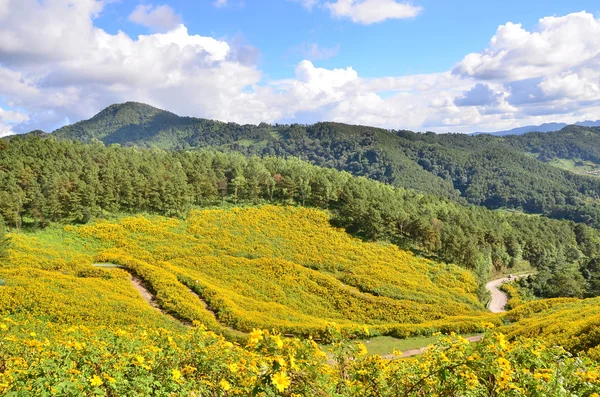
[424,65]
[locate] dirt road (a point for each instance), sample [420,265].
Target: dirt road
[499,298]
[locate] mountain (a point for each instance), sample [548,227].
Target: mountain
[514,172]
[546,127]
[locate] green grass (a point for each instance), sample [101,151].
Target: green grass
[245,142]
[577,167]
[381,345]
[107,265]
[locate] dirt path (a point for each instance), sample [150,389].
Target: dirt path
[147,295]
[499,299]
[138,284]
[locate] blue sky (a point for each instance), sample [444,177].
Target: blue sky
[434,41]
[425,65]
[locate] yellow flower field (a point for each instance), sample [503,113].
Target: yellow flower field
[281,268]
[230,287]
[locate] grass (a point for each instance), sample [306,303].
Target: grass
[381,345]
[107,265]
[579,167]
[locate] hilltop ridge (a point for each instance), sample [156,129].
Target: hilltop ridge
[550,173]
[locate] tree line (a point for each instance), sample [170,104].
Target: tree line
[495,172]
[44,180]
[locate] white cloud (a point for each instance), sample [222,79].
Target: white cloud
[9,118]
[220,3]
[372,11]
[557,44]
[571,85]
[502,87]
[160,18]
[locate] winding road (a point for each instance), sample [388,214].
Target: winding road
[499,299]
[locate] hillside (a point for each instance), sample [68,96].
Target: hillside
[496,172]
[268,268]
[46,181]
[119,304]
[71,328]
[355,150]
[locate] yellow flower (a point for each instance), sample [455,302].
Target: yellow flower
[280,361]
[3,326]
[278,341]
[502,341]
[362,350]
[502,362]
[176,374]
[281,381]
[225,385]
[255,336]
[233,367]
[96,381]
[293,363]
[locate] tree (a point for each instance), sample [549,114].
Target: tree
[4,241]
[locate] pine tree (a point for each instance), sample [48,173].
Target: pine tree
[4,241]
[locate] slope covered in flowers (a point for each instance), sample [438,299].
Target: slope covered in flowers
[286,268]
[71,329]
[572,323]
[49,276]
[268,267]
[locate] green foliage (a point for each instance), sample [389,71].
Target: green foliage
[495,172]
[4,242]
[73,182]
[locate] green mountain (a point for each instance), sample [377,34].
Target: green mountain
[534,173]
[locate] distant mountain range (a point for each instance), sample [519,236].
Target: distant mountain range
[546,127]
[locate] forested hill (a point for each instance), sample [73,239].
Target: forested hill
[520,172]
[44,180]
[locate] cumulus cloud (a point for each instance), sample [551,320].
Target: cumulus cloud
[9,118]
[51,83]
[479,95]
[372,11]
[160,18]
[549,74]
[557,44]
